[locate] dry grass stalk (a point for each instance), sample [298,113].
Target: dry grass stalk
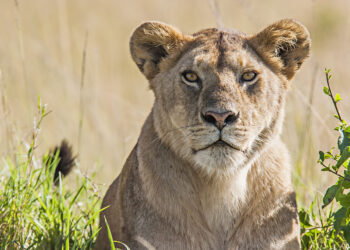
[82,81]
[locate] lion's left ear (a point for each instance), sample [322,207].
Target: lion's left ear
[283,45]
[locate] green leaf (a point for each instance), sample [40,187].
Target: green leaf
[321,155]
[330,194]
[344,200]
[39,102]
[340,218]
[304,218]
[344,139]
[337,97]
[305,242]
[328,155]
[110,237]
[346,231]
[121,243]
[347,173]
[344,156]
[326,90]
[347,129]
[335,168]
[345,184]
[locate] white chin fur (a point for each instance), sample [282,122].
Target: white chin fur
[218,161]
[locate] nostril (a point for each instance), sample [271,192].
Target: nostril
[220,120]
[209,118]
[231,118]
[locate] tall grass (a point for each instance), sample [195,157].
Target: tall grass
[37,214]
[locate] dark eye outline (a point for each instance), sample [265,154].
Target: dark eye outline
[254,77]
[186,80]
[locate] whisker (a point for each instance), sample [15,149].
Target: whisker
[239,133]
[156,140]
[176,129]
[160,137]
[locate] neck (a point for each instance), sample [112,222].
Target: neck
[174,187]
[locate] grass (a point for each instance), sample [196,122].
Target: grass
[37,214]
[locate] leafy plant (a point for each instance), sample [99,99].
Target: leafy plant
[329,227]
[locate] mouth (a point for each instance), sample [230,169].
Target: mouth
[220,143]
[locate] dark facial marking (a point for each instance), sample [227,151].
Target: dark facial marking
[221,47]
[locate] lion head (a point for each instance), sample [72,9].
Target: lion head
[219,94]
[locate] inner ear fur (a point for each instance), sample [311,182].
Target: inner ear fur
[151,42]
[283,45]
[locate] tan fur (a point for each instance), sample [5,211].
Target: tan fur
[178,190]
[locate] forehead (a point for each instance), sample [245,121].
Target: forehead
[220,49]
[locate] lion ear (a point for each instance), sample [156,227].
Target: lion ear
[283,45]
[151,42]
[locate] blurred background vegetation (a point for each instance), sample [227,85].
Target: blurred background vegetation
[75,55]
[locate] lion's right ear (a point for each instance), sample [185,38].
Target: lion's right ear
[151,42]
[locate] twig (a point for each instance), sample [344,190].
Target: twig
[311,95]
[214,8]
[21,45]
[36,129]
[82,81]
[314,111]
[308,117]
[331,95]
[339,175]
[4,112]
[336,173]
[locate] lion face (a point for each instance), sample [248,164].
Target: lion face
[219,95]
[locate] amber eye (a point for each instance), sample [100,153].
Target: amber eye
[190,76]
[248,76]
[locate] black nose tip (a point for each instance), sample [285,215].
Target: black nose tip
[220,119]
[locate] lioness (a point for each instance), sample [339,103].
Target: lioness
[209,170]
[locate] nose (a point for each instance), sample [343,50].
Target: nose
[220,119]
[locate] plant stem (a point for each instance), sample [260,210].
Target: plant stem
[339,175]
[215,9]
[336,173]
[330,92]
[82,80]
[319,227]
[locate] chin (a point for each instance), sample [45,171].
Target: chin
[218,161]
